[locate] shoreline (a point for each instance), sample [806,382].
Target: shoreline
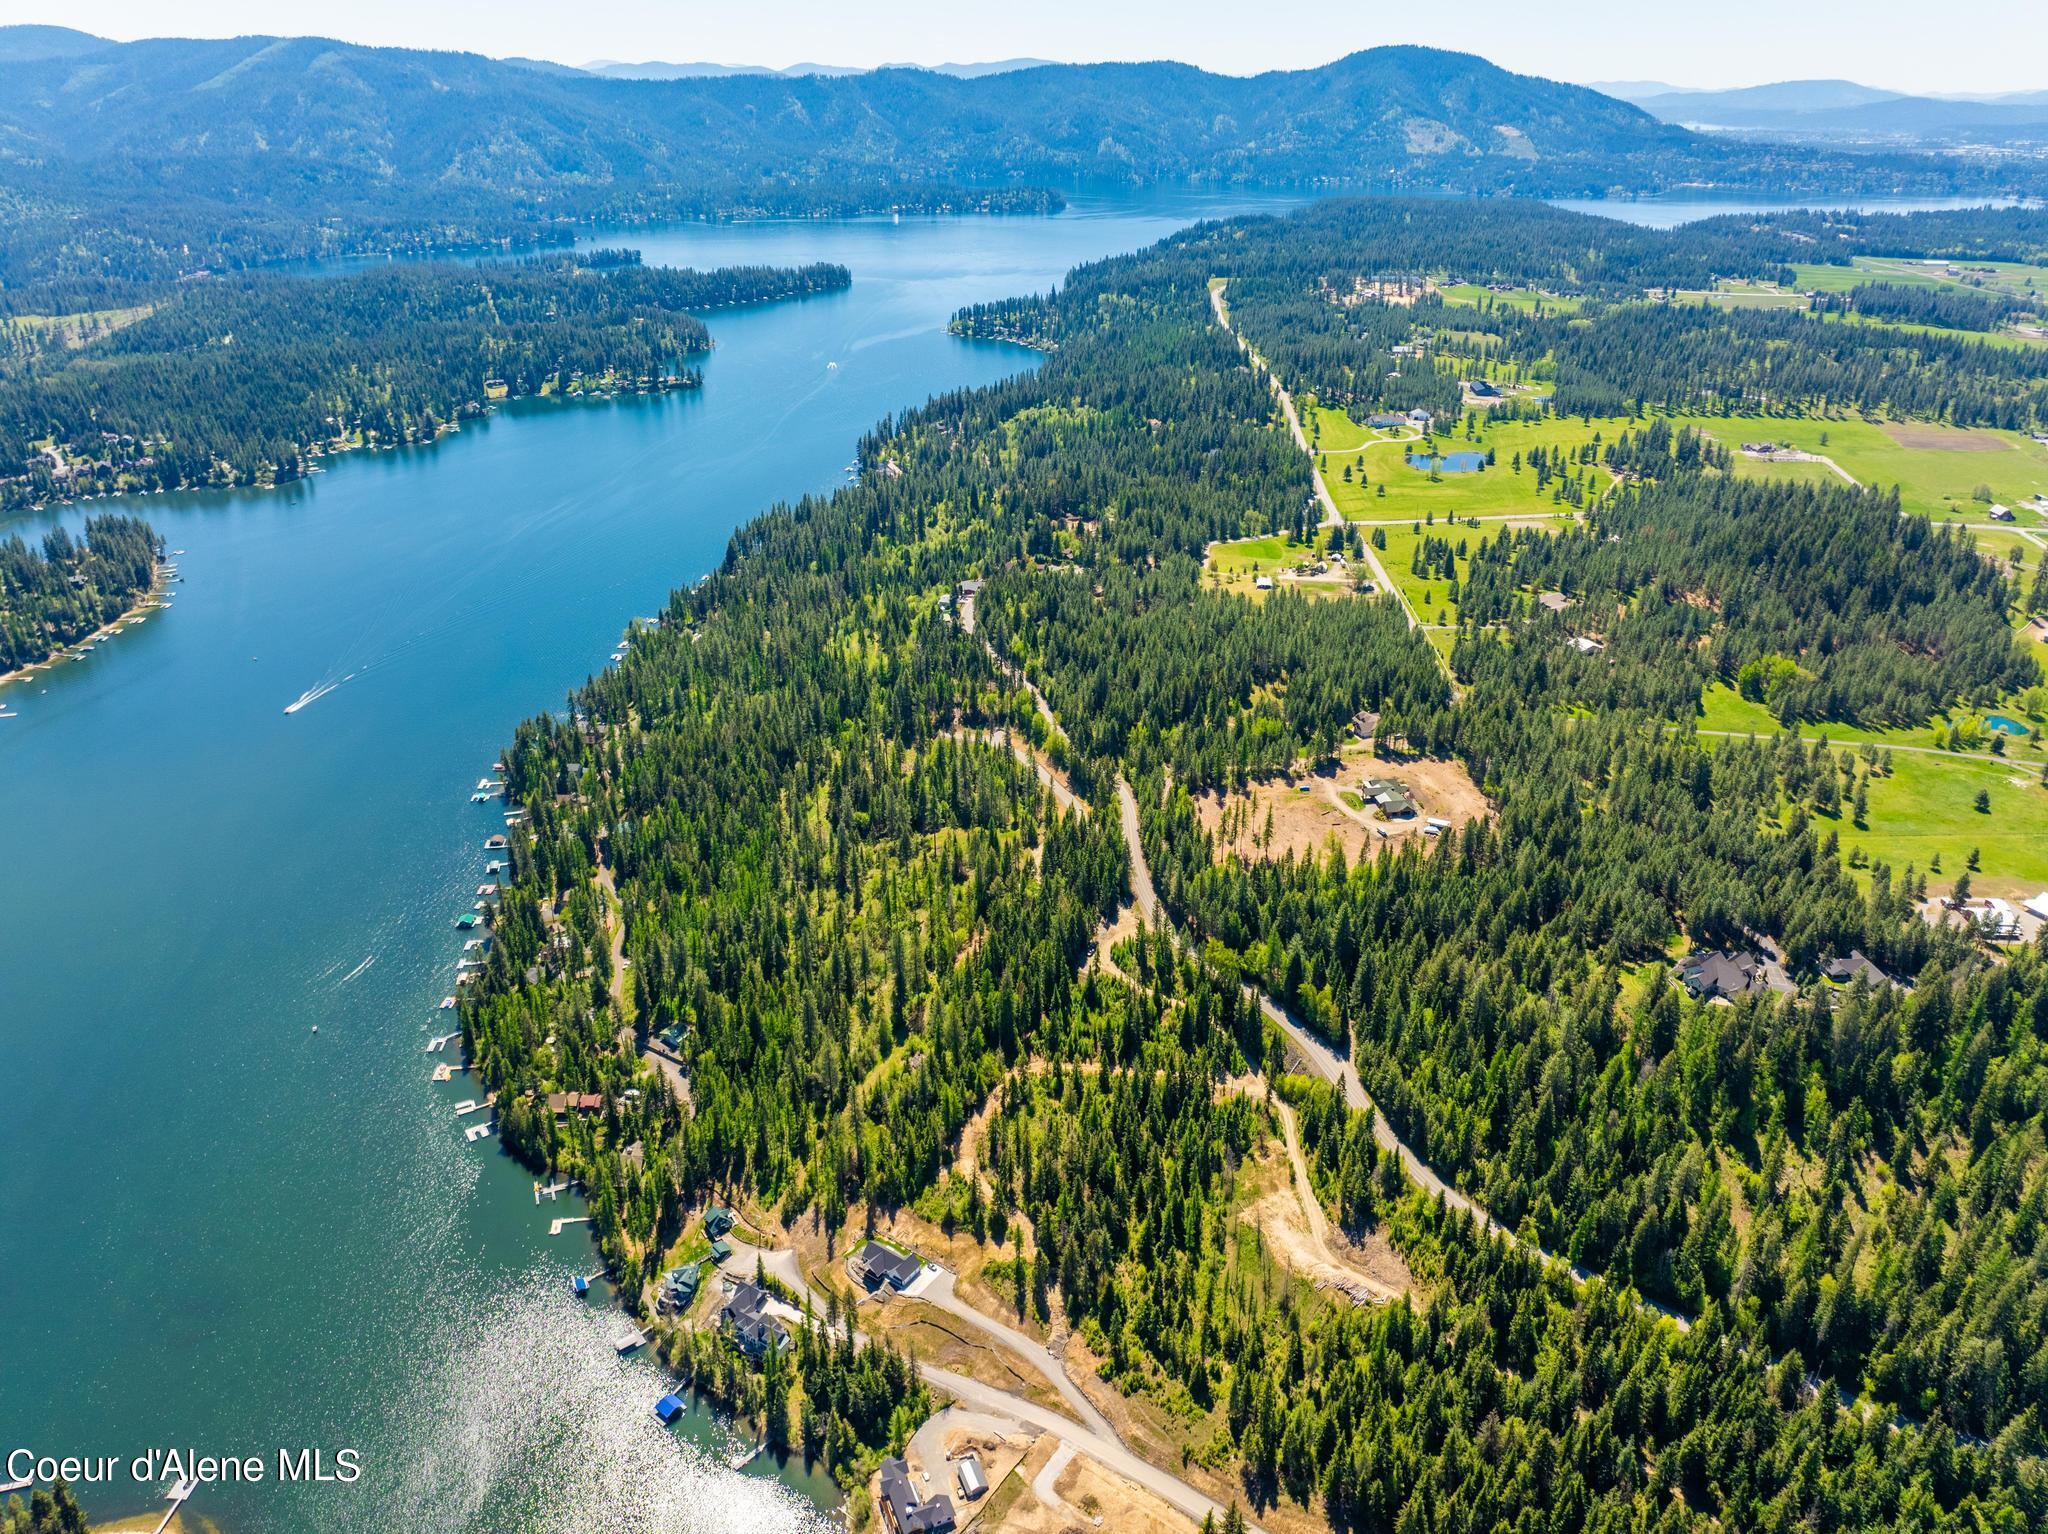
[150,600]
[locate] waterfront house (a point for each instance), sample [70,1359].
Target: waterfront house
[902,1509]
[562,1104]
[746,1320]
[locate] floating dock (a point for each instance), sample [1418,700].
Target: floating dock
[478,1131]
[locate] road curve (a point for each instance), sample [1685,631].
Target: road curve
[939,1292]
[1097,1442]
[1108,1451]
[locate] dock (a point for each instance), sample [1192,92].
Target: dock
[568,1219]
[632,1340]
[440,1042]
[741,1461]
[478,1131]
[179,1495]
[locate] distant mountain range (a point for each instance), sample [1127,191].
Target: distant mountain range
[1846,113]
[185,152]
[250,112]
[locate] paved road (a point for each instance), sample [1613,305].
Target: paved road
[1041,1358]
[1108,1451]
[1101,1444]
[1332,517]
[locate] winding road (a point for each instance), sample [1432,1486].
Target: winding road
[1096,1439]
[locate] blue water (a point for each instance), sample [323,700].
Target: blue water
[1670,212]
[1460,462]
[2003,725]
[221,1229]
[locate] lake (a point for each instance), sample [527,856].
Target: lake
[223,1231]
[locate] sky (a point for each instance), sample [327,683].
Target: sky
[1894,44]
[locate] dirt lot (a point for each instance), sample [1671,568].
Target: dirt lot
[1087,1497]
[1277,1212]
[1304,821]
[1150,1430]
[934,1337]
[1947,439]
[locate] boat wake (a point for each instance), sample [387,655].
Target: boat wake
[313,694]
[372,959]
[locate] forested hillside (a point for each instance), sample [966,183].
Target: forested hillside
[152,157]
[58,594]
[861,919]
[244,380]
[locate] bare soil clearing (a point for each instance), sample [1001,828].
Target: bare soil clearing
[1947,439]
[1303,821]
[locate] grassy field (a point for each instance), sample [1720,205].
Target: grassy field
[1430,596]
[1725,710]
[1937,468]
[1926,806]
[1527,300]
[2010,277]
[1237,565]
[1411,494]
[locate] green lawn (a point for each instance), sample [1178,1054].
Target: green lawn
[2015,278]
[1925,808]
[1936,475]
[1332,431]
[1430,595]
[1724,709]
[1237,565]
[1411,494]
[1926,805]
[1527,300]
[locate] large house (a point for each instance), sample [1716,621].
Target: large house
[1728,975]
[1856,967]
[1390,797]
[877,1265]
[903,1511]
[746,1320]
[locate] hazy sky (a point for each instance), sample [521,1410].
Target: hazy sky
[1990,45]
